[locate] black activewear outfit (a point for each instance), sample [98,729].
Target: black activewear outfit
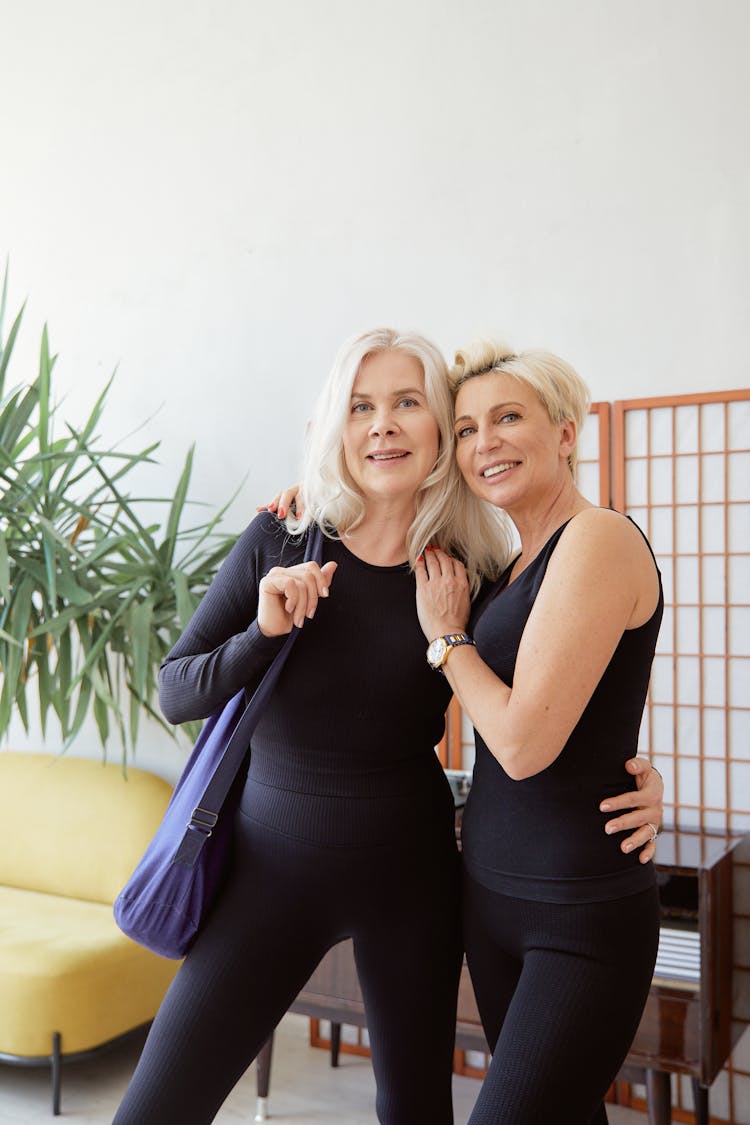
[560,926]
[345,829]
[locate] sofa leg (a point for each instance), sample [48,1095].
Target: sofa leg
[56,1061]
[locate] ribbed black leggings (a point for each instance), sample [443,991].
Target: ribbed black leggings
[560,989]
[285,904]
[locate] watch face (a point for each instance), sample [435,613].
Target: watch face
[436,652]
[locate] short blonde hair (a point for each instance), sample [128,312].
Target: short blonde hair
[447,515]
[560,389]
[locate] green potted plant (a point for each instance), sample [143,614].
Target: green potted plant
[93,591]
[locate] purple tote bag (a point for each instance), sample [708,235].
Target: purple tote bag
[169,893]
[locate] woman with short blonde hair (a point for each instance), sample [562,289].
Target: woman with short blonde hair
[561,924]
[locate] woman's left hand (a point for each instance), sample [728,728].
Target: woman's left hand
[443,600]
[647,805]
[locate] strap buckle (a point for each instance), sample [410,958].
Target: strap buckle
[203,820]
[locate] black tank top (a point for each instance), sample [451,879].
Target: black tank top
[543,837]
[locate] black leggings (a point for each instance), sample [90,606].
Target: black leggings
[285,904]
[561,989]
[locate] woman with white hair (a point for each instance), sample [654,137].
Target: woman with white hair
[346,822]
[560,924]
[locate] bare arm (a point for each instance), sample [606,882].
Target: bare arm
[443,605]
[600,581]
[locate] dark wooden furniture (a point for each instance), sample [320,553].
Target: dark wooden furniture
[687,1023]
[687,1026]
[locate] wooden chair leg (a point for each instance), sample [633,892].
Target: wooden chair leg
[335,1043]
[700,1102]
[659,1095]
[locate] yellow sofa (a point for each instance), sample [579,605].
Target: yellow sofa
[71,832]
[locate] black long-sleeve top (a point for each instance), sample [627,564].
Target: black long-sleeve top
[357,710]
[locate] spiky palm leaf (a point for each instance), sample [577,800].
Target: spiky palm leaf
[92,595]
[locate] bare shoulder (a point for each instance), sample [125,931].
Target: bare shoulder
[604,545]
[606,530]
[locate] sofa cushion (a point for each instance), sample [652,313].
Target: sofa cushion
[65,966]
[75,826]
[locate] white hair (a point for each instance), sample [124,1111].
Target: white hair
[447,514]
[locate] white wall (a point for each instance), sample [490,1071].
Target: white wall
[212,196]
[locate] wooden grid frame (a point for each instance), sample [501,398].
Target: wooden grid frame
[681,469]
[319,1038]
[595,455]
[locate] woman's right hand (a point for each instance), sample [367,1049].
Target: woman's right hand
[282,503]
[288,595]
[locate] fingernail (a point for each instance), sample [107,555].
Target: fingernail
[605,806]
[282,514]
[421,558]
[627,847]
[609,828]
[324,592]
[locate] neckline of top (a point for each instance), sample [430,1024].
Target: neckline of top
[503,580]
[397,568]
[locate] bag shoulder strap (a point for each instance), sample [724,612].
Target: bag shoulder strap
[206,813]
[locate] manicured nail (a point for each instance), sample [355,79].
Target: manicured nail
[421,558]
[282,514]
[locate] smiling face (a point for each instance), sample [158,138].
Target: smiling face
[508,449]
[391,438]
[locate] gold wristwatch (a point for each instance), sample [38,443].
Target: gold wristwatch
[439,649]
